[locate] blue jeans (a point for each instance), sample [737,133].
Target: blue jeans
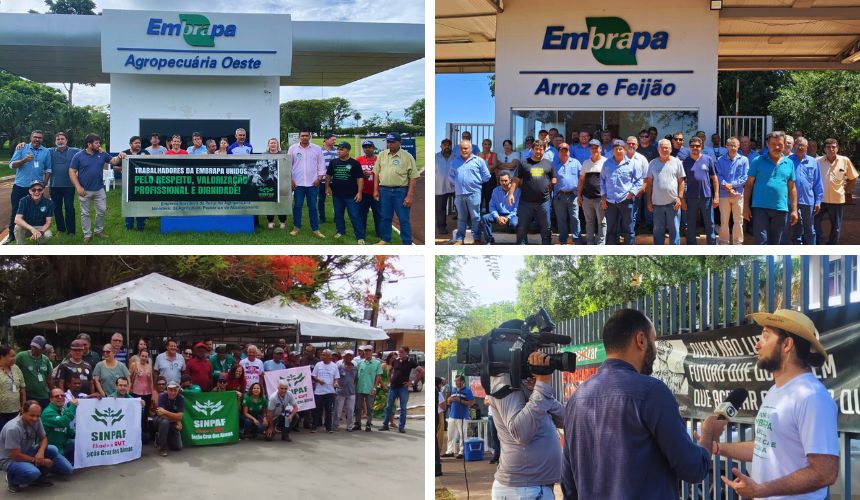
[141,222]
[566,216]
[64,208]
[321,200]
[769,225]
[468,211]
[619,218]
[488,221]
[301,194]
[501,492]
[667,217]
[804,230]
[391,201]
[15,196]
[249,427]
[540,212]
[369,204]
[352,210]
[401,393]
[704,206]
[24,473]
[834,211]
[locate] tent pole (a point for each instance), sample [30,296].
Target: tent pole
[128,323]
[298,335]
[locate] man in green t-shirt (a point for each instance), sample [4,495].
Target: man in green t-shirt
[36,368]
[221,362]
[369,374]
[57,419]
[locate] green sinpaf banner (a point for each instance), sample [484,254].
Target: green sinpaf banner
[210,418]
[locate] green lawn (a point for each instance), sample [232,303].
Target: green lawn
[118,235]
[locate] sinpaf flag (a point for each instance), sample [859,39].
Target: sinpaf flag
[210,418]
[107,431]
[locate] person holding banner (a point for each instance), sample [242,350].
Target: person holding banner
[273,147]
[282,410]
[133,149]
[57,419]
[796,448]
[168,419]
[25,454]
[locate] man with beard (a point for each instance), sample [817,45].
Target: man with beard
[796,449]
[633,419]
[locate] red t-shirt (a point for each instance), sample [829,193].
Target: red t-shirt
[180,152]
[367,168]
[201,372]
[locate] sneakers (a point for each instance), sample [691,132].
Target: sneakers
[382,243]
[401,430]
[87,239]
[368,429]
[285,436]
[337,236]
[101,235]
[163,452]
[271,225]
[283,226]
[41,482]
[318,234]
[356,427]
[384,428]
[360,242]
[294,232]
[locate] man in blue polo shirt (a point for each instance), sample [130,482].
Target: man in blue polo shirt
[87,174]
[31,162]
[810,193]
[459,402]
[501,212]
[703,194]
[581,150]
[33,216]
[240,147]
[620,183]
[732,171]
[197,148]
[679,151]
[567,171]
[62,190]
[468,172]
[770,197]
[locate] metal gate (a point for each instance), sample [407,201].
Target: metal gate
[756,127]
[479,131]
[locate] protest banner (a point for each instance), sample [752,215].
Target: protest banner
[589,357]
[107,431]
[300,385]
[206,185]
[210,418]
[702,368]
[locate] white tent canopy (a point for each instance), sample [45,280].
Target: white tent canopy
[157,305]
[314,323]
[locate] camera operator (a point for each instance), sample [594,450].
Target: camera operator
[525,422]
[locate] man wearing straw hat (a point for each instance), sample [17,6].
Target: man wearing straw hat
[796,449]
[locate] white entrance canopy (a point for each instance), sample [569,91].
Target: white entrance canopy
[314,323]
[761,35]
[156,305]
[66,48]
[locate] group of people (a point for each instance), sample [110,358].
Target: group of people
[382,183]
[783,192]
[39,394]
[622,428]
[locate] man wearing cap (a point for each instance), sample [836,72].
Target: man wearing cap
[277,361]
[33,216]
[368,202]
[168,419]
[36,368]
[31,162]
[368,377]
[566,190]
[345,185]
[796,449]
[396,177]
[590,197]
[308,167]
[444,184]
[468,173]
[281,411]
[770,197]
[221,362]
[501,212]
[620,183]
[535,177]
[76,366]
[329,153]
[199,368]
[703,194]
[345,395]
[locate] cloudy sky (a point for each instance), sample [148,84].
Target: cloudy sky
[487,288]
[373,95]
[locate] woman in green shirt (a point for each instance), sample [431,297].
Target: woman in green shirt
[253,407]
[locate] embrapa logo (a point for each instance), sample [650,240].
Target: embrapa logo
[208,407]
[195,29]
[108,416]
[610,39]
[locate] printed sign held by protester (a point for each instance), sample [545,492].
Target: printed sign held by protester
[300,385]
[210,418]
[107,431]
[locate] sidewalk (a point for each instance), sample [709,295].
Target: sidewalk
[452,483]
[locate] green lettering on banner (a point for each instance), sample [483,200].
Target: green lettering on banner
[210,418]
[592,353]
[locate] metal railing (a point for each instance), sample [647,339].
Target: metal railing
[479,131]
[723,299]
[756,127]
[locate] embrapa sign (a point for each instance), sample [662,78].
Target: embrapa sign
[610,40]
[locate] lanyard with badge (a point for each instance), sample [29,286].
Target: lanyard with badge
[13,387]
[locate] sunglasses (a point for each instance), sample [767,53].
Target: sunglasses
[36,190]
[188,353]
[55,396]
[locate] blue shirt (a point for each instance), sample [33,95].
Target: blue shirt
[525,154]
[682,153]
[469,174]
[732,173]
[698,174]
[60,161]
[459,410]
[551,154]
[581,153]
[770,189]
[625,438]
[715,152]
[29,172]
[199,151]
[751,156]
[272,365]
[240,149]
[605,151]
[90,168]
[35,214]
[567,175]
[617,180]
[807,180]
[499,203]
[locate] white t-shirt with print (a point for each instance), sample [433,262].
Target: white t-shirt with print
[327,373]
[795,420]
[253,371]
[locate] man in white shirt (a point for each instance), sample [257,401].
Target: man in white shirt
[325,376]
[796,449]
[253,367]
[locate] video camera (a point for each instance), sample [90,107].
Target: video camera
[506,349]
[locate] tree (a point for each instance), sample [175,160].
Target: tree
[453,298]
[357,118]
[415,112]
[492,79]
[307,114]
[26,106]
[823,104]
[758,88]
[337,109]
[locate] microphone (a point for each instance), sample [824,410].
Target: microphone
[728,409]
